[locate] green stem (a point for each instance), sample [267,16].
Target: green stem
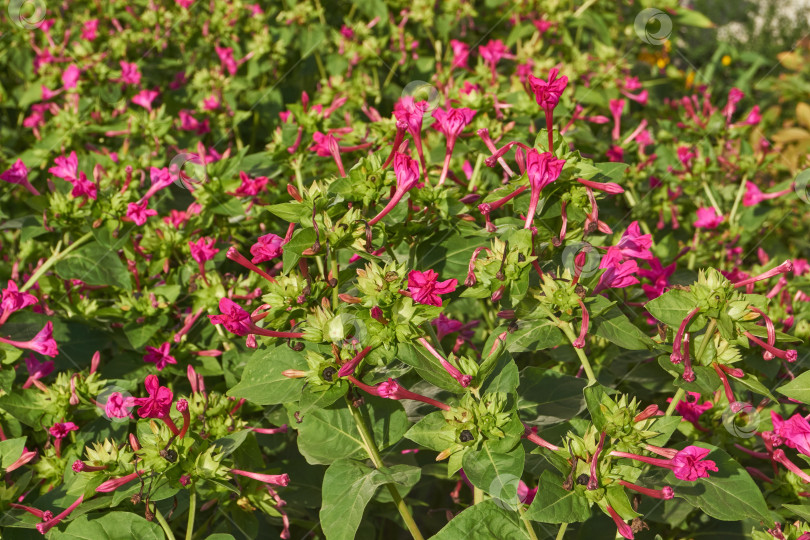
[376,458]
[710,195]
[679,394]
[478,495]
[737,199]
[334,265]
[166,528]
[53,259]
[192,510]
[476,174]
[583,358]
[526,522]
[561,532]
[299,181]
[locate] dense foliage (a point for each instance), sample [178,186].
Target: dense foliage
[400,269]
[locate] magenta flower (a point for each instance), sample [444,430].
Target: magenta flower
[547,93]
[451,123]
[82,187]
[46,526]
[618,273]
[690,409]
[753,196]
[189,123]
[159,402]
[114,483]
[266,248]
[707,218]
[18,174]
[542,169]
[37,369]
[226,59]
[794,432]
[391,389]
[411,112]
[689,464]
[118,406]
[634,244]
[70,77]
[203,249]
[526,494]
[461,54]
[89,29]
[159,356]
[139,213]
[61,430]
[144,98]
[130,74]
[250,187]
[43,342]
[407,172]
[493,52]
[233,317]
[275,479]
[425,287]
[211,103]
[734,97]
[161,178]
[14,300]
[616,108]
[686,156]
[67,168]
[624,529]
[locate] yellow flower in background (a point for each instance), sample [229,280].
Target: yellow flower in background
[726,60]
[690,79]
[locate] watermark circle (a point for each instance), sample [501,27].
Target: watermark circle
[504,491]
[741,419]
[572,259]
[653,26]
[28,14]
[424,95]
[115,404]
[800,185]
[189,170]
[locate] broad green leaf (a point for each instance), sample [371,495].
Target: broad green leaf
[139,334]
[798,388]
[483,521]
[348,486]
[497,474]
[10,451]
[615,327]
[448,253]
[534,336]
[672,307]
[553,504]
[329,434]
[547,397]
[302,239]
[728,494]
[427,366]
[262,380]
[431,432]
[95,265]
[112,526]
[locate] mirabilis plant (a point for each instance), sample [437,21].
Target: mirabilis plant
[528,294]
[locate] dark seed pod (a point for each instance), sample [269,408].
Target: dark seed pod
[465,436]
[169,455]
[582,479]
[328,373]
[521,257]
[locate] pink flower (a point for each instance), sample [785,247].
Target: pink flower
[89,29]
[70,77]
[616,108]
[525,494]
[61,430]
[43,343]
[411,112]
[266,248]
[14,300]
[203,250]
[275,479]
[618,273]
[493,52]
[211,103]
[189,123]
[635,244]
[689,464]
[159,402]
[686,156]
[18,174]
[461,54]
[451,122]
[794,432]
[690,409]
[407,172]
[130,74]
[82,187]
[547,93]
[159,356]
[707,218]
[144,98]
[426,288]
[250,187]
[37,369]
[139,213]
[118,406]
[233,317]
[753,196]
[67,168]
[753,117]
[542,170]
[226,59]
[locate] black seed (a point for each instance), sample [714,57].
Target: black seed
[169,455]
[521,257]
[466,436]
[582,479]
[328,373]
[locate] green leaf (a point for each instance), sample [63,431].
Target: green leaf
[329,434]
[139,334]
[431,431]
[95,265]
[728,494]
[483,521]
[547,397]
[427,366]
[497,474]
[348,486]
[672,307]
[615,327]
[302,239]
[533,337]
[594,397]
[262,380]
[801,510]
[798,388]
[290,211]
[553,504]
[112,526]
[10,451]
